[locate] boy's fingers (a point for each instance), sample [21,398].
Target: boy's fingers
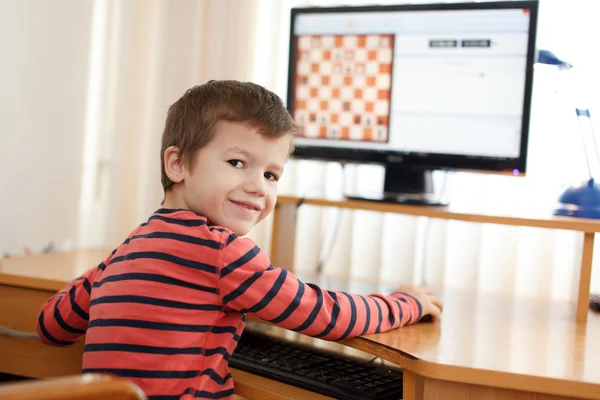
[437,302]
[427,290]
[435,313]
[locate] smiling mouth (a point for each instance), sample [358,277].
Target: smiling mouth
[247,205]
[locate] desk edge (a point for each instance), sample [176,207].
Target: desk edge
[476,376]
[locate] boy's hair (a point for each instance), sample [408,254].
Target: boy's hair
[191,120]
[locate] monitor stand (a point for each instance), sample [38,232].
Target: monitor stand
[404,185]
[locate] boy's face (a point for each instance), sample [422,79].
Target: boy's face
[233,181]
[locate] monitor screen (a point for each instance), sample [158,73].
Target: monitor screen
[439,86]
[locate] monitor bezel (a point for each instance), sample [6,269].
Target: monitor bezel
[426,160]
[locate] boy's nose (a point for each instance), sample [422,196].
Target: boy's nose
[256,184]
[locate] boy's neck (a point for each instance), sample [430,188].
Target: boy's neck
[174,199]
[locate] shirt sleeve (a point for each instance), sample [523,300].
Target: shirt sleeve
[64,317]
[250,284]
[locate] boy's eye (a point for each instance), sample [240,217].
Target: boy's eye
[271,176]
[236,163]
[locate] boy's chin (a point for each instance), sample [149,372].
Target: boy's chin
[240,228]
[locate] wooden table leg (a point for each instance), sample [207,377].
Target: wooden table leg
[412,386]
[283,239]
[585,277]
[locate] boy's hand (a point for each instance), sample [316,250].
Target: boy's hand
[430,303]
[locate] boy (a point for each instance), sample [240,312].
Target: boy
[167,307]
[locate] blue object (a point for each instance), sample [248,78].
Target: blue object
[583,112]
[549,58]
[581,201]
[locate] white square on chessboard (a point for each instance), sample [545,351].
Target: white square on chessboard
[348,68]
[312,105]
[302,92]
[370,94]
[314,79]
[347,93]
[383,81]
[334,131]
[337,80]
[384,42]
[350,42]
[316,55]
[327,42]
[385,55]
[357,132]
[311,130]
[315,42]
[304,42]
[372,68]
[359,81]
[372,42]
[360,55]
[326,68]
[337,55]
[335,106]
[303,67]
[324,92]
[323,118]
[301,117]
[382,107]
[357,106]
[381,134]
[345,118]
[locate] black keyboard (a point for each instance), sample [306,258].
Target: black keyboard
[317,370]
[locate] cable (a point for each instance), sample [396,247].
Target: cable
[373,359]
[323,257]
[5,330]
[427,229]
[302,198]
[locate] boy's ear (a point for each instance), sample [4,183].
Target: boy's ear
[174,164]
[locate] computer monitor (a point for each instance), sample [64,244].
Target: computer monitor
[414,87]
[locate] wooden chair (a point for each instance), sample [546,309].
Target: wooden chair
[80,387]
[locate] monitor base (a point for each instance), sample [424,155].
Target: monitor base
[418,199]
[404,185]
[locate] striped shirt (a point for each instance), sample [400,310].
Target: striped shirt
[167,307]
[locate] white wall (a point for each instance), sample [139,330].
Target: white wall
[43,84]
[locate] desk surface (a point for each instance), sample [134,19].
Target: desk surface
[497,341]
[49,271]
[494,341]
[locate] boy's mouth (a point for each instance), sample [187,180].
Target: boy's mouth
[247,204]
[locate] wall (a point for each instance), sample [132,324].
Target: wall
[43,76]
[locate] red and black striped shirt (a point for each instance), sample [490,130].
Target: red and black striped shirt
[167,307]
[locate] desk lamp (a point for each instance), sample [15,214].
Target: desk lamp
[581,200]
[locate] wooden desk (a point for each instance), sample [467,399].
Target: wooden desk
[284,230]
[484,347]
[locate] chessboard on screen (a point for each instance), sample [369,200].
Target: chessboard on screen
[343,86]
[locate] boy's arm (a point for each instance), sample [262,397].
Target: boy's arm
[250,284]
[63,318]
